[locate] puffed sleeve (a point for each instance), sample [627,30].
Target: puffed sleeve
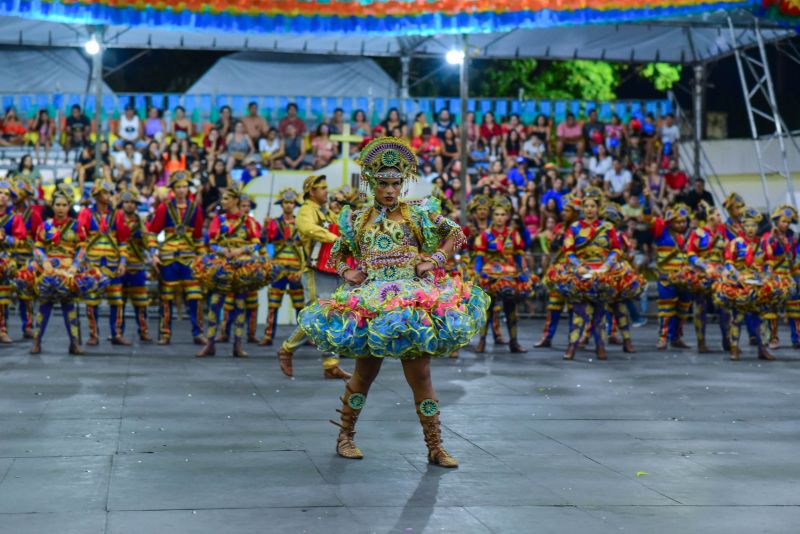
[345,245]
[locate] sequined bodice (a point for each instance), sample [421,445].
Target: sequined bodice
[389,250]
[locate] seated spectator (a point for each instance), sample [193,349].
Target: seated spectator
[634,213]
[210,194]
[649,134]
[213,145]
[541,129]
[556,194]
[617,182]
[323,149]
[225,122]
[514,124]
[293,148]
[520,175]
[292,119]
[13,129]
[549,176]
[634,136]
[271,149]
[513,145]
[152,154]
[530,214]
[698,194]
[489,128]
[443,122]
[534,151]
[615,136]
[473,130]
[670,135]
[239,146]
[251,171]
[569,136]
[45,128]
[495,180]
[394,121]
[181,128]
[128,163]
[600,162]
[130,128]
[174,159]
[450,148]
[361,124]
[496,149]
[655,186]
[427,146]
[219,177]
[676,180]
[337,122]
[420,123]
[28,172]
[154,126]
[593,131]
[428,175]
[78,128]
[254,124]
[546,237]
[479,156]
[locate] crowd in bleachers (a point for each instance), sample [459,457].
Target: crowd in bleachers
[535,162]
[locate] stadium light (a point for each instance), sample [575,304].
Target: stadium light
[455,57]
[91,46]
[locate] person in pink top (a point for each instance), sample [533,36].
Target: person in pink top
[569,135]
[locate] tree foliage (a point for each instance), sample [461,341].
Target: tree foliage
[579,79]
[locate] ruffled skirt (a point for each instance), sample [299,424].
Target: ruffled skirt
[60,284]
[399,319]
[505,281]
[753,292]
[221,275]
[603,286]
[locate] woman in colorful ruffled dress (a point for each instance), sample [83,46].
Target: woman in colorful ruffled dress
[60,276]
[398,302]
[500,269]
[781,243]
[591,246]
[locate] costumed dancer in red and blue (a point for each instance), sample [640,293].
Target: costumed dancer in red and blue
[734,204]
[137,241]
[12,231]
[60,273]
[499,265]
[705,251]
[181,220]
[287,260]
[233,265]
[591,247]
[106,252]
[783,249]
[674,298]
[555,300]
[23,249]
[747,287]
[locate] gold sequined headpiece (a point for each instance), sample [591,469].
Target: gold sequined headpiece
[102,185]
[24,188]
[178,178]
[63,191]
[677,211]
[479,201]
[751,215]
[785,213]
[387,157]
[129,195]
[288,195]
[503,203]
[612,214]
[572,202]
[733,200]
[592,193]
[234,191]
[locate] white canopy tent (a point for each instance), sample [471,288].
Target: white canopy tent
[45,70]
[688,40]
[265,74]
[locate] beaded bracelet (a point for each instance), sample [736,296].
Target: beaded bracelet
[439,258]
[341,269]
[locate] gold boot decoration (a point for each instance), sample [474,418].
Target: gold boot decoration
[428,412]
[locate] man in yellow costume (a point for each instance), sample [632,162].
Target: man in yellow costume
[318,232]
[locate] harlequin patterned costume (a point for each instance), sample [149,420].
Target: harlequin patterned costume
[500,270]
[23,249]
[105,251]
[783,248]
[749,288]
[288,261]
[13,231]
[734,204]
[474,229]
[394,313]
[61,243]
[134,281]
[674,297]
[793,303]
[555,300]
[595,246]
[247,272]
[183,242]
[705,251]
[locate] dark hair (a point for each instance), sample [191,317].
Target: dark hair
[570,114]
[75,106]
[291,105]
[426,130]
[180,108]
[356,112]
[251,104]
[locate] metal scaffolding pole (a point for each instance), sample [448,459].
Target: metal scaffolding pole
[759,83]
[699,90]
[97,74]
[464,90]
